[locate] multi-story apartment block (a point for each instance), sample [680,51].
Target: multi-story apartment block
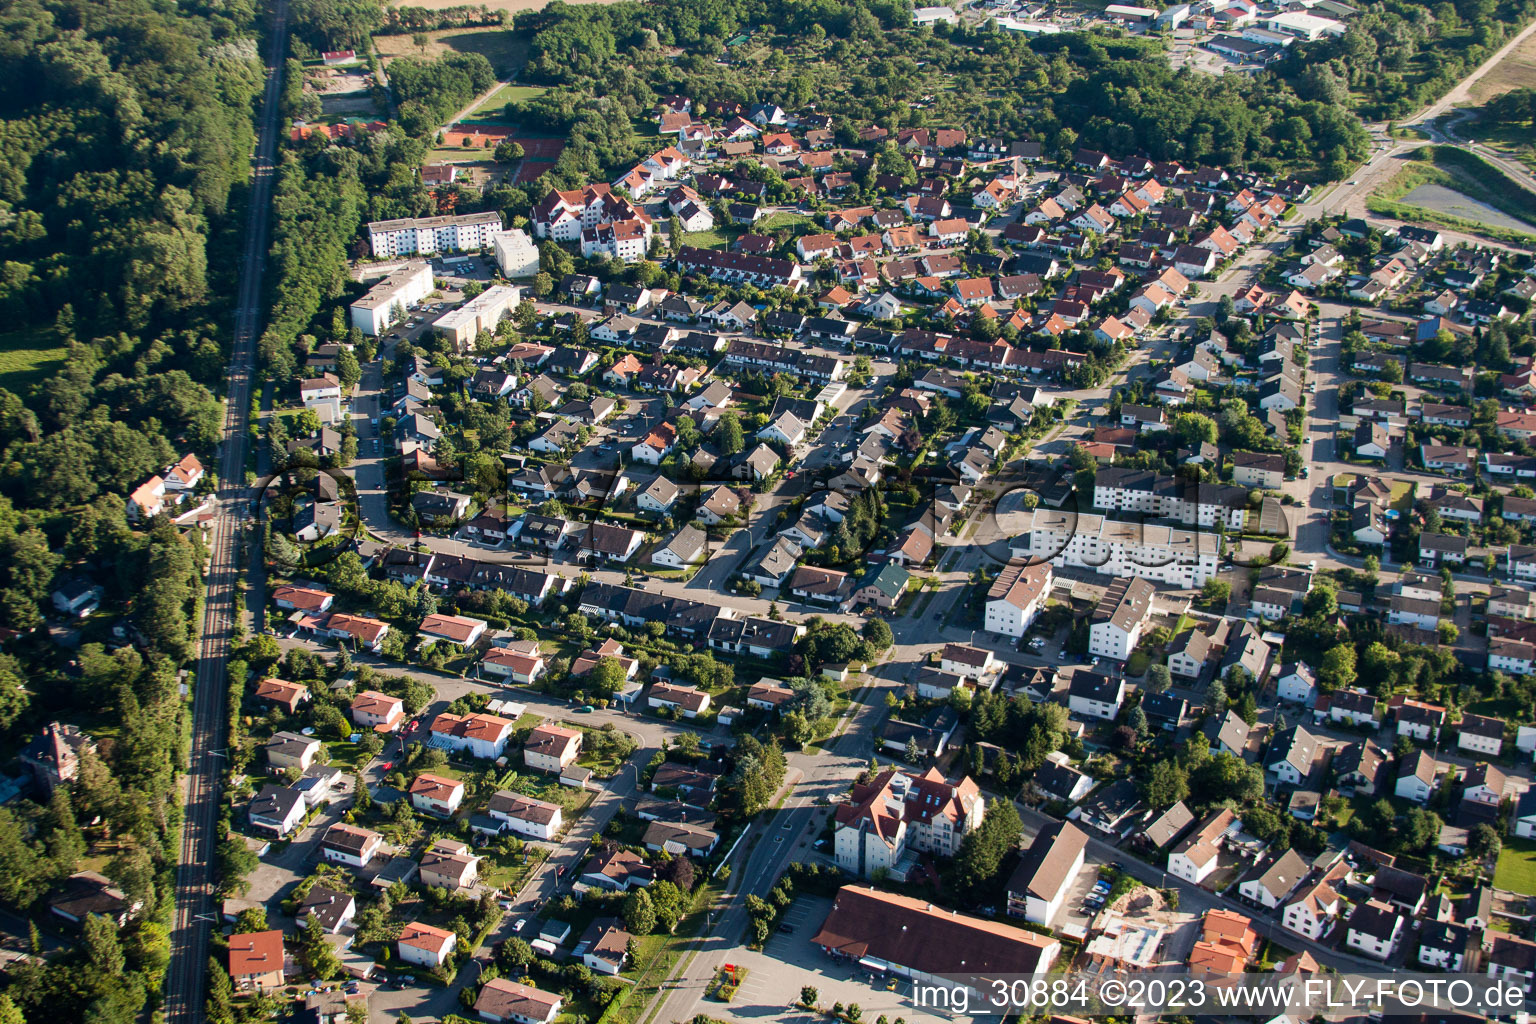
[1111,547]
[897,815]
[1139,490]
[388,300]
[1017,597]
[1119,618]
[427,235]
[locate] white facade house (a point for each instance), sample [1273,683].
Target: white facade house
[1311,911]
[323,396]
[1374,929]
[1094,695]
[1121,616]
[1270,885]
[1017,597]
[1296,683]
[1480,734]
[1043,880]
[347,844]
[476,734]
[526,816]
[424,945]
[1195,857]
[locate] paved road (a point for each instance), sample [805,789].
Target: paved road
[195,910]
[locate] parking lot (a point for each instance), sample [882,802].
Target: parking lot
[789,961]
[1074,910]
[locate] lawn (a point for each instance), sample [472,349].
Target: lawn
[493,108]
[1516,870]
[715,239]
[508,872]
[348,757]
[783,219]
[1402,496]
[28,357]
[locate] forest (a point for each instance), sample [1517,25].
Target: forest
[864,63]
[1398,56]
[125,133]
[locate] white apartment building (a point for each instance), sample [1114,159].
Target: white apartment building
[625,240]
[516,254]
[1017,597]
[427,235]
[388,300]
[1139,490]
[1113,548]
[563,216]
[1118,620]
[896,815]
[481,313]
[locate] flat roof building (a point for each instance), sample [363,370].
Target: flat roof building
[481,313]
[427,235]
[387,301]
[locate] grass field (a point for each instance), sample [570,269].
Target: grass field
[1516,870]
[715,239]
[505,49]
[783,219]
[1462,172]
[27,358]
[1515,71]
[493,108]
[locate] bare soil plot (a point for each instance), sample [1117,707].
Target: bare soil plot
[1517,70]
[1452,203]
[506,49]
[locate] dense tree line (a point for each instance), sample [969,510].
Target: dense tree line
[125,130]
[335,24]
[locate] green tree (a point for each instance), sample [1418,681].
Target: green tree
[318,955]
[1164,785]
[728,433]
[639,914]
[980,856]
[878,633]
[103,952]
[1338,667]
[1484,842]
